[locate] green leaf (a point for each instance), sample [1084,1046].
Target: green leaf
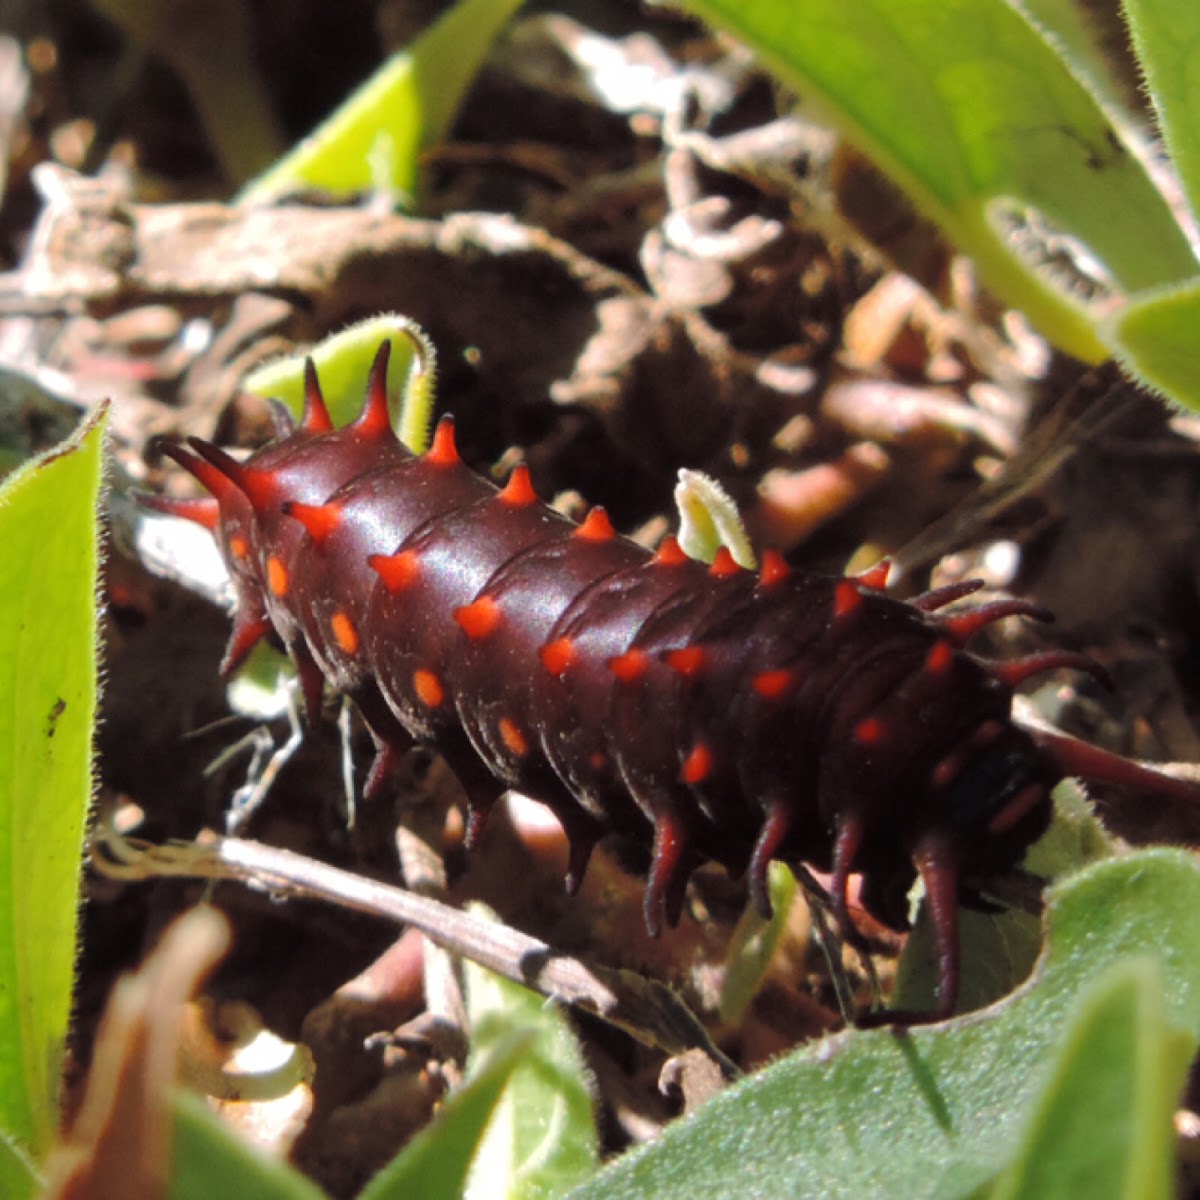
[1155,339]
[434,1164]
[999,949]
[1103,1127]
[709,519]
[1166,38]
[943,1110]
[968,108]
[1081,36]
[208,1159]
[211,49]
[48,574]
[541,1139]
[343,362]
[376,137]
[261,687]
[754,943]
[18,1175]
[998,953]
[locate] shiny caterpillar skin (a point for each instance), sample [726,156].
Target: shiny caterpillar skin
[714,712]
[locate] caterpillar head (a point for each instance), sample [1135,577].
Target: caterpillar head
[249,502]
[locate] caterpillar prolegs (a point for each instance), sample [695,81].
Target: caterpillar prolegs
[711,711]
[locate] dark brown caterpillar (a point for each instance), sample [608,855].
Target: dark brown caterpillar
[725,714]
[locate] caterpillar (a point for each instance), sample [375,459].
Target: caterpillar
[713,712]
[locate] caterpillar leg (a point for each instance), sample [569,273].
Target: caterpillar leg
[392,741]
[845,850]
[668,873]
[778,823]
[935,861]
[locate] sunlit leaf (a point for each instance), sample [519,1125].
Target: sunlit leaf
[970,110]
[941,1110]
[48,575]
[375,138]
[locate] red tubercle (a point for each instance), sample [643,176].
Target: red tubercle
[558,656]
[688,661]
[260,487]
[847,599]
[315,417]
[443,451]
[374,422]
[398,571]
[698,765]
[320,520]
[518,491]
[479,619]
[630,666]
[870,731]
[876,577]
[723,565]
[774,569]
[595,527]
[669,553]
[940,658]
[771,685]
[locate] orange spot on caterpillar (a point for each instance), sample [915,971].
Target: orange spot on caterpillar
[669,553]
[869,731]
[940,658]
[770,685]
[723,565]
[478,619]
[689,661]
[398,571]
[557,656]
[277,576]
[698,765]
[630,666]
[596,527]
[238,546]
[846,599]
[512,737]
[319,519]
[344,632]
[428,688]
[518,491]
[774,569]
[442,450]
[596,760]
